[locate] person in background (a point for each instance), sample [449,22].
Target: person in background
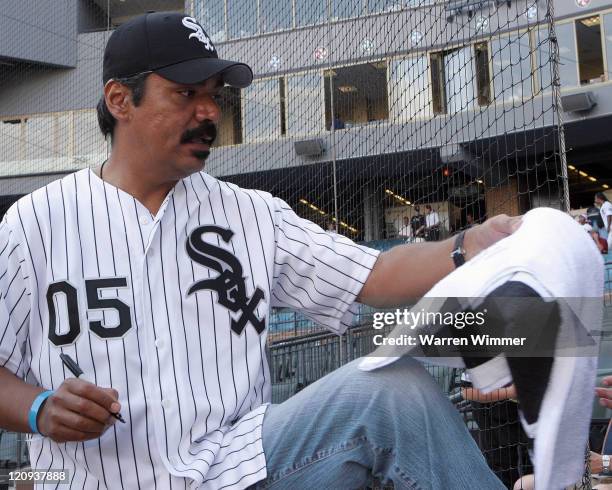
[417,222]
[405,231]
[432,224]
[601,244]
[338,123]
[584,222]
[605,209]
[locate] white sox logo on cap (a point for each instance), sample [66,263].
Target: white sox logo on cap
[191,23]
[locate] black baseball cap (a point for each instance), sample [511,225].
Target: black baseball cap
[174,46]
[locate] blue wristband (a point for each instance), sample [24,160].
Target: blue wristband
[36,404]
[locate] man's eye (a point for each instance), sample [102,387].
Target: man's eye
[217,98]
[187,93]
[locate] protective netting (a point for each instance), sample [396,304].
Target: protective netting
[361,111]
[449,104]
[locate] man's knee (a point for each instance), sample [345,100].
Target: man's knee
[404,380]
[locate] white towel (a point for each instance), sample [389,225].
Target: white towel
[551,254]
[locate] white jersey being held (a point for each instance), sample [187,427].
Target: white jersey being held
[172,311]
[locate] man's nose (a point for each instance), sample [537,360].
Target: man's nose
[208,109]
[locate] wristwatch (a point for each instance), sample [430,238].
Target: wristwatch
[605,461]
[458,253]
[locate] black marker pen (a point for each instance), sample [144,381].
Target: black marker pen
[77,371]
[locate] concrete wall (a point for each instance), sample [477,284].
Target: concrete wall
[40,31]
[35,91]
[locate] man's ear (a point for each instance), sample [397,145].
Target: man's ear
[118,100]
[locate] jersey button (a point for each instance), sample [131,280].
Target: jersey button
[144,220]
[159,343]
[166,403]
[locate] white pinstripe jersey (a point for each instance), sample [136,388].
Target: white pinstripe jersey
[171,310]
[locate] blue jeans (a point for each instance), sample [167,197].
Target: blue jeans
[394,424]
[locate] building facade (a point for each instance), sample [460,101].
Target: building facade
[360,108]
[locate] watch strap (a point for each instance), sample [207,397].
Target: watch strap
[458,253]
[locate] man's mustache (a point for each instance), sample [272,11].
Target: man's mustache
[206,130]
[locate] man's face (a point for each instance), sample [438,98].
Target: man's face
[176,124]
[581,220]
[598,202]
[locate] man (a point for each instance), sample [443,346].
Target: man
[599,242]
[582,220]
[605,209]
[157,279]
[405,231]
[417,222]
[432,224]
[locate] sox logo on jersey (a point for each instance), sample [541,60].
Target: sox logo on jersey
[230,284]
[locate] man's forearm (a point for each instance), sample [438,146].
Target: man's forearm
[15,402]
[406,272]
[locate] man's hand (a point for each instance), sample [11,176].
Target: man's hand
[605,394]
[492,230]
[78,411]
[596,463]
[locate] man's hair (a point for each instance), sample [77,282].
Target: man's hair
[602,196]
[106,121]
[428,206]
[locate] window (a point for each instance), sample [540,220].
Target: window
[229,130]
[410,95]
[483,77]
[283,105]
[567,57]
[460,86]
[211,14]
[10,141]
[63,137]
[309,12]
[39,137]
[438,85]
[304,102]
[275,15]
[261,109]
[241,18]
[344,9]
[376,6]
[607,19]
[590,53]
[512,79]
[453,76]
[359,95]
[89,142]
